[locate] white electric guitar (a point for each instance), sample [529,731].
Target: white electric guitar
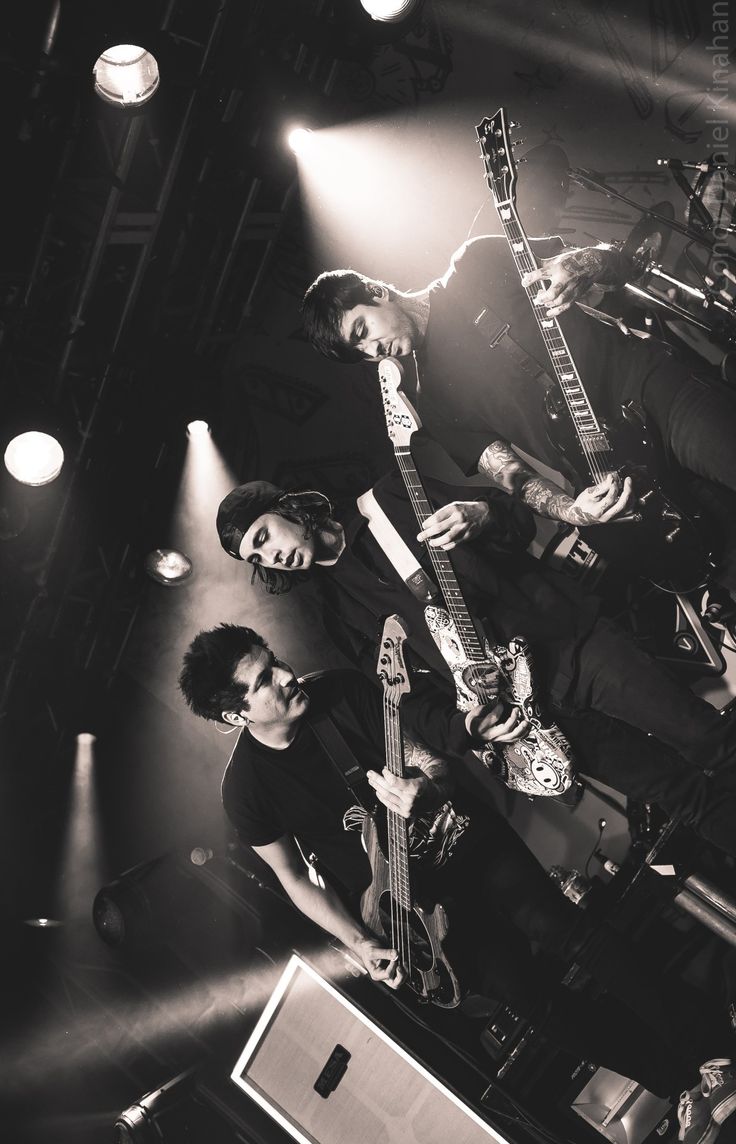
[540,762]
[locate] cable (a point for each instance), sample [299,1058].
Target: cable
[596,844]
[523,1117]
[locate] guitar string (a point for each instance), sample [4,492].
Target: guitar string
[555,343]
[448,582]
[400,890]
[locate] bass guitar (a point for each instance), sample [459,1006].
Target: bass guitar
[389,906]
[540,762]
[656,538]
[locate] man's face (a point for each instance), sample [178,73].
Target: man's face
[277,543]
[381,330]
[274,696]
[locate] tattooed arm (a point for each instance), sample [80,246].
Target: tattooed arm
[425,790]
[593,505]
[573,273]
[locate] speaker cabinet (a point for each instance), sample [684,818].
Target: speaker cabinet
[329,1075]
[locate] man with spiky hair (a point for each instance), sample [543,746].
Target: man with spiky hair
[281,787]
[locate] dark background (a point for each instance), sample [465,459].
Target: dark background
[153,264]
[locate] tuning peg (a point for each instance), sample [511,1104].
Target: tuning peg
[513,124]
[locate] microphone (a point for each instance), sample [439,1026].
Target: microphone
[684,165]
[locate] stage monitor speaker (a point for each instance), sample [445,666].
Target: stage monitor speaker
[329,1075]
[623,1111]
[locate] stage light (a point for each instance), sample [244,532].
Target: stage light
[299,139]
[43,923]
[126,75]
[197,428]
[389,11]
[34,458]
[167,566]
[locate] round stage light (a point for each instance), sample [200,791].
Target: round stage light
[389,11]
[167,566]
[126,75]
[198,428]
[34,458]
[299,139]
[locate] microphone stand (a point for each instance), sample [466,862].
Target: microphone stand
[590,181]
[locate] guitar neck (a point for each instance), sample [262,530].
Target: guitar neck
[398,827]
[592,436]
[444,571]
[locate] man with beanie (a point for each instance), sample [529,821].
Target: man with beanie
[631,725]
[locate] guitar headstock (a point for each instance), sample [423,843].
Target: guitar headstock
[402,419]
[497,153]
[391,666]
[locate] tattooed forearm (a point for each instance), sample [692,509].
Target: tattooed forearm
[548,500]
[603,265]
[419,755]
[507,469]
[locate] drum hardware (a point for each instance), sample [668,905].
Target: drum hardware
[717,312]
[592,182]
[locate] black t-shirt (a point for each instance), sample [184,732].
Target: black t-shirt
[298,791]
[471,394]
[501,584]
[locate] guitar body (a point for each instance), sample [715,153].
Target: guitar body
[666,543]
[428,973]
[539,764]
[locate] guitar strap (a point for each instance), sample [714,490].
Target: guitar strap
[397,551]
[341,755]
[495,331]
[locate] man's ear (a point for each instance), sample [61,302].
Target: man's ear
[378,292]
[235,718]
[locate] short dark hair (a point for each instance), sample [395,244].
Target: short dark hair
[325,303]
[310,509]
[207,675]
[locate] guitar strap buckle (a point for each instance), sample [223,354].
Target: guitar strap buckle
[487,323]
[484,320]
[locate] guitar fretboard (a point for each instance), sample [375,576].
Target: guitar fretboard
[593,439]
[397,827]
[444,571]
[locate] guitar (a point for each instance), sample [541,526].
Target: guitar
[388,905]
[539,763]
[657,538]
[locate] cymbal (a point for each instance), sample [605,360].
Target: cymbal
[649,237]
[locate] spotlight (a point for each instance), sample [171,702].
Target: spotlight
[43,923]
[34,458]
[389,11]
[126,75]
[167,566]
[197,428]
[299,139]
